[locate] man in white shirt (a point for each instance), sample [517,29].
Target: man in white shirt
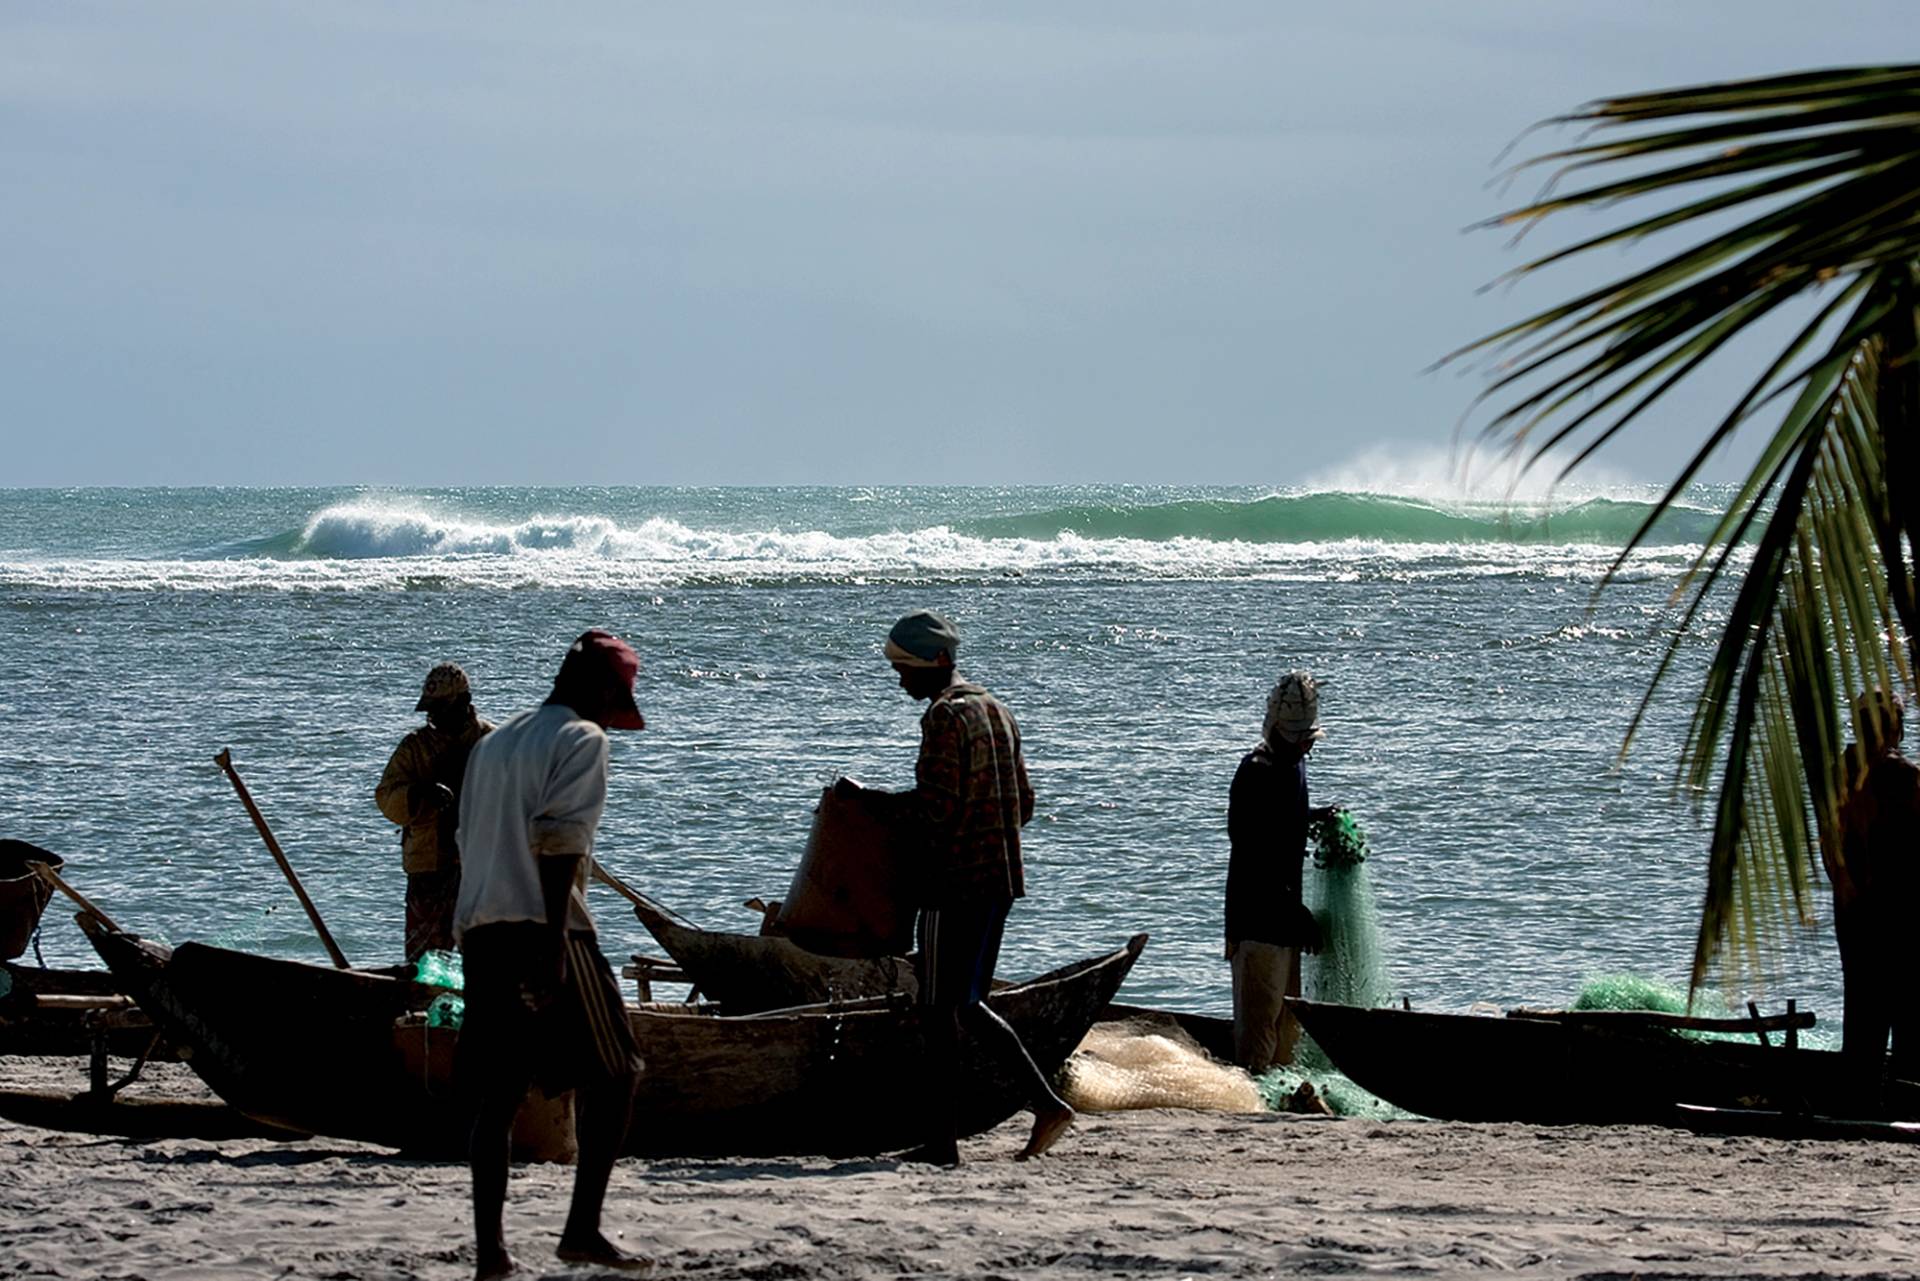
[542,1004]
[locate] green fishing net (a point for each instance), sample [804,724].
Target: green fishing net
[1351,966]
[449,1010]
[1338,840]
[1630,992]
[443,970]
[440,969]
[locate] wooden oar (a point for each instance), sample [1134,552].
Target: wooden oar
[225,761]
[52,878]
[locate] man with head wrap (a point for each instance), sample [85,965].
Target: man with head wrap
[1876,887]
[1268,926]
[420,790]
[962,822]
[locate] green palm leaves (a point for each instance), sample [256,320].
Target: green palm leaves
[1800,193]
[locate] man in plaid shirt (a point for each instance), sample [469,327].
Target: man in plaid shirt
[962,821]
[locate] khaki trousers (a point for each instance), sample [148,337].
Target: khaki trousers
[1264,1030]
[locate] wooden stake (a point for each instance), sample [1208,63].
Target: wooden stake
[225,761]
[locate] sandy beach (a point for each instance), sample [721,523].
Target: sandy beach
[1137,1194]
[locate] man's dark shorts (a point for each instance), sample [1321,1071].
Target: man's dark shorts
[959,946]
[580,1036]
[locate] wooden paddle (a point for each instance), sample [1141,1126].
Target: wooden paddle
[225,761]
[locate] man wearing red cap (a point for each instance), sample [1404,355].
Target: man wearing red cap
[542,1005]
[420,790]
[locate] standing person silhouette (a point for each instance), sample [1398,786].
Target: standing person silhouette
[542,1002]
[1876,889]
[420,790]
[962,819]
[1267,925]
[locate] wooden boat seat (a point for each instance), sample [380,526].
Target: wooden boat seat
[646,970]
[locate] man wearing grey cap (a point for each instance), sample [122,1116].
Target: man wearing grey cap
[962,819]
[420,790]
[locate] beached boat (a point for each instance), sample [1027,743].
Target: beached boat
[23,895]
[750,973]
[334,1052]
[71,1012]
[1558,1070]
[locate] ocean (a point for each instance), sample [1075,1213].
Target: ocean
[1475,692]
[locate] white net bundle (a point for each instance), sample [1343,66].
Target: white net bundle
[1139,1065]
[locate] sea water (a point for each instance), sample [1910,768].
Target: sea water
[1473,690]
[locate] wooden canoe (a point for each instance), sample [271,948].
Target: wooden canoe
[314,1048]
[750,973]
[1464,1067]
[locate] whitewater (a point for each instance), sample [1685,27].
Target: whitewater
[1476,691]
[495,539]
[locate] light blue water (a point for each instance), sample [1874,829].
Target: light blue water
[1473,705]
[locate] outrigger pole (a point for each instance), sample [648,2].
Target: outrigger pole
[225,761]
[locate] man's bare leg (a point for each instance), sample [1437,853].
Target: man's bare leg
[489,1155]
[940,1032]
[602,1113]
[1051,1115]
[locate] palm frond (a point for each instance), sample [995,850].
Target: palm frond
[1797,185]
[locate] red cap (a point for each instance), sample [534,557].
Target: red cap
[603,663]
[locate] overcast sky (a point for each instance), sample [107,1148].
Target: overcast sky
[623,243]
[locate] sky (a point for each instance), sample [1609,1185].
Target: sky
[788,243]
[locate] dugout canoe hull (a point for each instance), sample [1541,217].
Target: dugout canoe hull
[311,1048]
[1464,1067]
[752,973]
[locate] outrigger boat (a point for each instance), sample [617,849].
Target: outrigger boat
[345,1053]
[48,1011]
[1574,1068]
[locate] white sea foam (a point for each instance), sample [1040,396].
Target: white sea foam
[410,545]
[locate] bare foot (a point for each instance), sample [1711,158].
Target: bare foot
[601,1253]
[1047,1129]
[489,1266]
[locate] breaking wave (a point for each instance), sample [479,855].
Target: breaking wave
[1349,516]
[407,544]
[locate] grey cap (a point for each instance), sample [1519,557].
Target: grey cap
[920,638]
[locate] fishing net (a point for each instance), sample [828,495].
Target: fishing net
[1280,1088]
[1351,967]
[1634,992]
[1629,992]
[1140,1065]
[440,969]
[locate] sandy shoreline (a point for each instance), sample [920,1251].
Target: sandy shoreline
[1138,1194]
